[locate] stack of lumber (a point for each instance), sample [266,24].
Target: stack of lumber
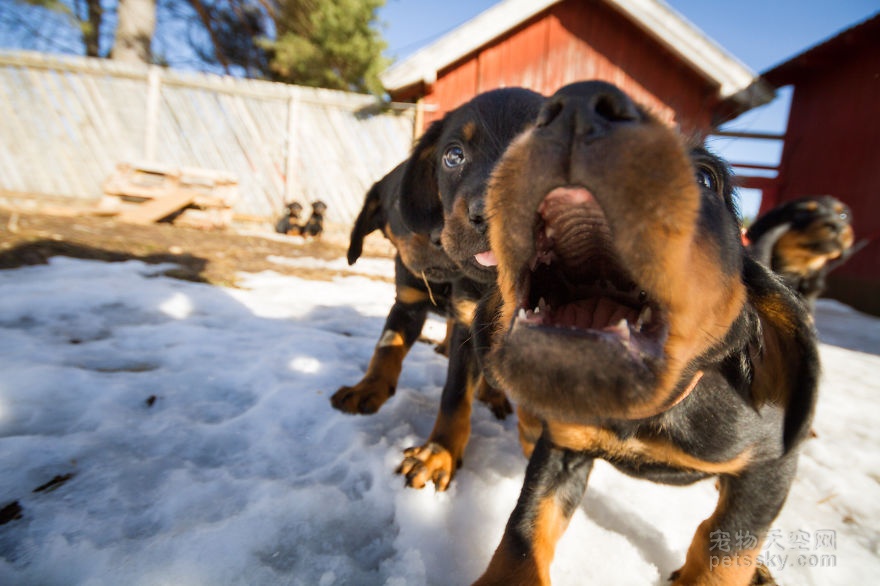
[143,193]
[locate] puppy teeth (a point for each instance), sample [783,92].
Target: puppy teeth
[521,314]
[644,317]
[623,327]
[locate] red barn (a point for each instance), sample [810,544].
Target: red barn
[832,146]
[642,46]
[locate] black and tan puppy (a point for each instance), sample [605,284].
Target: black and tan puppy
[802,241]
[630,325]
[443,190]
[314,226]
[288,223]
[422,275]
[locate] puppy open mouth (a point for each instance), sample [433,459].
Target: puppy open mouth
[576,284]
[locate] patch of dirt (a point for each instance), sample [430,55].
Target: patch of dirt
[31,238]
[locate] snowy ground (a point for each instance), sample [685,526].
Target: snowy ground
[195,426]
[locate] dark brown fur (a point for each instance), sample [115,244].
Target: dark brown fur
[659,346]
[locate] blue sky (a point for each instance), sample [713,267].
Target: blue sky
[760,33]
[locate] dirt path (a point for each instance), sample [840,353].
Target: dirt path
[209,256]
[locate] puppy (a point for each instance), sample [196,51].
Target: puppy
[630,325]
[422,276]
[802,241]
[287,223]
[314,226]
[443,191]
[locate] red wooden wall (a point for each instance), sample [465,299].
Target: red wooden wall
[579,40]
[832,146]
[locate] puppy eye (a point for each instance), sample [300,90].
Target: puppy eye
[453,157]
[706,178]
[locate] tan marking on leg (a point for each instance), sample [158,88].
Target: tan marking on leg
[390,338]
[509,569]
[410,295]
[533,569]
[708,565]
[379,382]
[438,459]
[549,527]
[529,427]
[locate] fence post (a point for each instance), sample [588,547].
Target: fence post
[290,150]
[154,82]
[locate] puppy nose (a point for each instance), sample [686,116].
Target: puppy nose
[590,109]
[477,216]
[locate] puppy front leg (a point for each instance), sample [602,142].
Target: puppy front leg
[727,545]
[402,329]
[554,486]
[440,457]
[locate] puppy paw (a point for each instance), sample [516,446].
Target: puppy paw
[428,462]
[364,398]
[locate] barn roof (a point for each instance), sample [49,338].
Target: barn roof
[826,53]
[735,80]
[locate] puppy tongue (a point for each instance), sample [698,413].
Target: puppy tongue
[487,259]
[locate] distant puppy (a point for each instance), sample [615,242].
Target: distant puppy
[314,226]
[443,191]
[802,241]
[630,325]
[288,223]
[422,277]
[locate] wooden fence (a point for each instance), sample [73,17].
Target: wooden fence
[65,122]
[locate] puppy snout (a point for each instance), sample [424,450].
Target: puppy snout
[589,109]
[477,215]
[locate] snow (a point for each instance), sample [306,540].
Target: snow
[196,424]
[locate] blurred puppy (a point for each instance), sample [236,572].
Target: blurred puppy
[288,223]
[802,241]
[314,226]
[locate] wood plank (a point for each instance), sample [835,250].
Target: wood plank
[156,209]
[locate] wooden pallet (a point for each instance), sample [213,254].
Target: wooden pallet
[143,193]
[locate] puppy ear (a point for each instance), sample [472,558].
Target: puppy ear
[372,217]
[761,246]
[420,205]
[766,230]
[785,360]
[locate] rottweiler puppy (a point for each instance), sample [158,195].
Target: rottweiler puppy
[314,226]
[629,324]
[288,222]
[422,275]
[443,191]
[802,241]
